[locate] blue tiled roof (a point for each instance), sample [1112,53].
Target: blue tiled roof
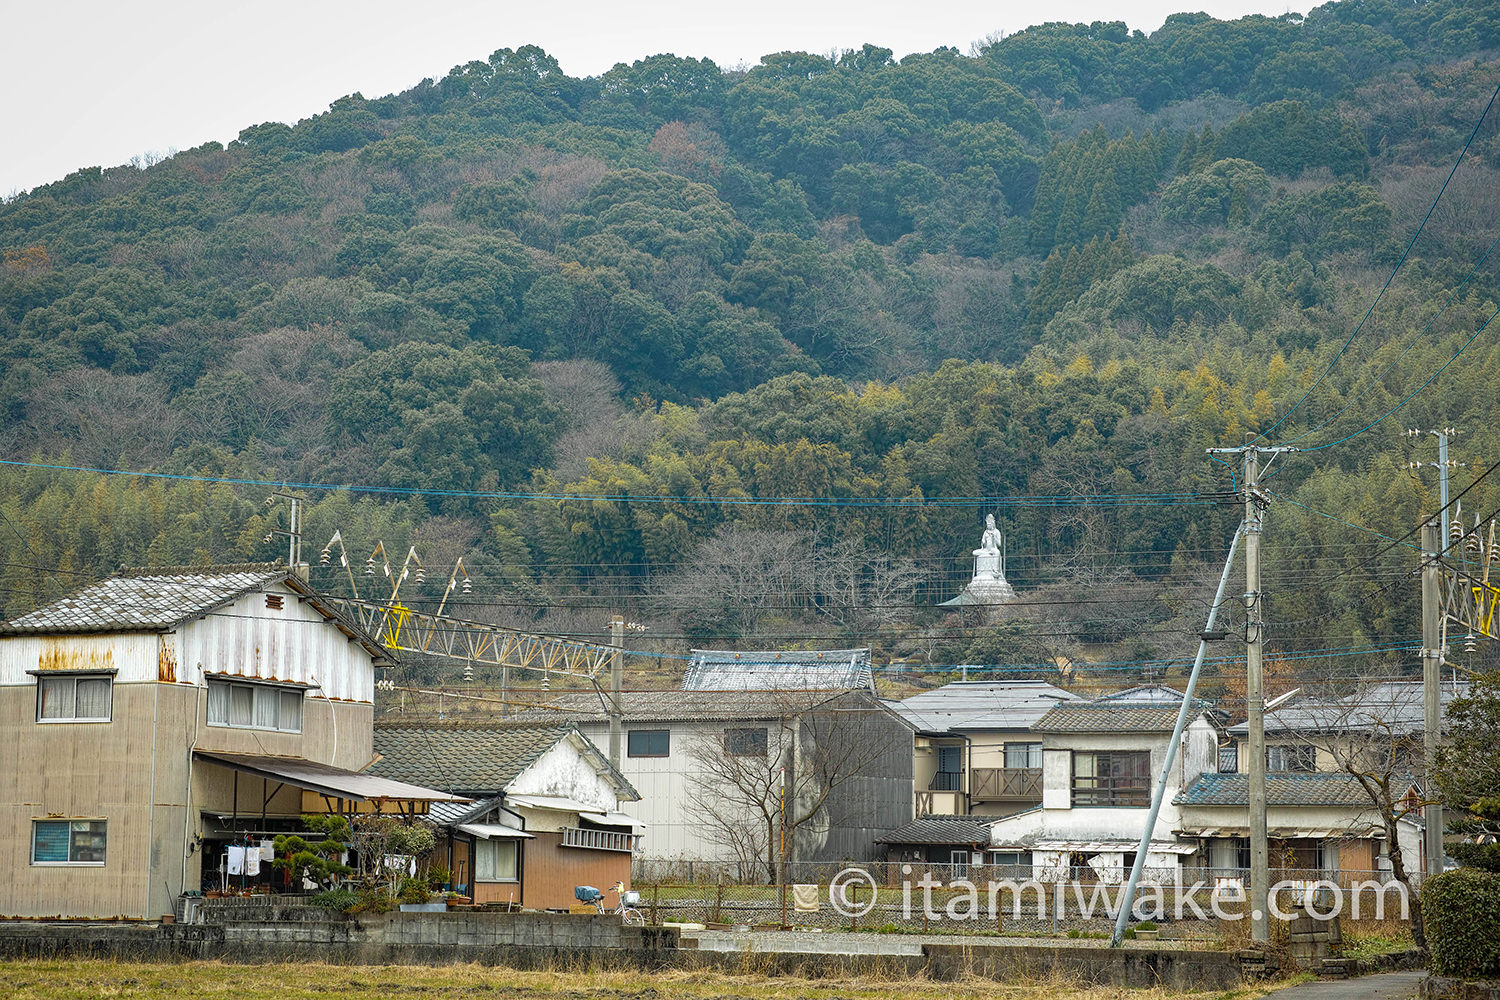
[1319,789]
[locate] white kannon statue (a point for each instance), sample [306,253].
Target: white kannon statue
[989,585]
[987,558]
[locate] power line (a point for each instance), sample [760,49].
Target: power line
[1054,500]
[1414,342]
[1432,378]
[1360,325]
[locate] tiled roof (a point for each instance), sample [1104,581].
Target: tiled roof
[681,706]
[1281,790]
[775,670]
[147,599]
[478,759]
[1393,707]
[957,830]
[1144,694]
[982,705]
[1093,717]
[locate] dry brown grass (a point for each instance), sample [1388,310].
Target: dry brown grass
[86,980]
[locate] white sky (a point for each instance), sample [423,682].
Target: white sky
[90,83]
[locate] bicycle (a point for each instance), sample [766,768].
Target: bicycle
[625,907]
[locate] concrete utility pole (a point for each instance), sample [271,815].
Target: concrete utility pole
[1255,701]
[1432,677]
[1434,547]
[616,688]
[1255,706]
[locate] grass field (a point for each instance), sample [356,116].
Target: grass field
[88,980]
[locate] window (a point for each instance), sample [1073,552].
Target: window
[648,742]
[1292,757]
[74,698]
[746,742]
[67,842]
[255,706]
[1012,864]
[1023,755]
[495,860]
[1229,759]
[1112,778]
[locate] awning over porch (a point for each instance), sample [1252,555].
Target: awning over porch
[556,803]
[1112,846]
[330,782]
[614,819]
[494,831]
[1289,833]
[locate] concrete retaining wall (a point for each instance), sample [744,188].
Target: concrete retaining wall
[514,939]
[276,933]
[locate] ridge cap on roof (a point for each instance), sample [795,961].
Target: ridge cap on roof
[209,569]
[449,725]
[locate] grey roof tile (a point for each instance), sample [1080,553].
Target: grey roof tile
[147,599]
[1321,789]
[1093,717]
[967,706]
[684,706]
[1390,706]
[939,829]
[479,759]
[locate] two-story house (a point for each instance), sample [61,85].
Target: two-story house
[162,719]
[1320,816]
[976,751]
[1101,760]
[756,740]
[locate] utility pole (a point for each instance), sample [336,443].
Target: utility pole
[1432,677]
[293,532]
[1434,547]
[616,687]
[1255,706]
[1255,700]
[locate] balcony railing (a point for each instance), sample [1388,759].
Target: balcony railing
[947,781]
[993,784]
[597,840]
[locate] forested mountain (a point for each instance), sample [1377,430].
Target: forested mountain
[1045,275]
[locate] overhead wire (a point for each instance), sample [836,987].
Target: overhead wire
[1404,254]
[1107,500]
[1407,350]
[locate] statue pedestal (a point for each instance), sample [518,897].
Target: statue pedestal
[989,585]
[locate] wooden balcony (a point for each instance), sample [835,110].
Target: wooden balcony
[597,840]
[1006,784]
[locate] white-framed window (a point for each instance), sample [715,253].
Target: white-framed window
[247,705]
[74,697]
[68,841]
[495,860]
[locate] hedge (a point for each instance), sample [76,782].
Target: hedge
[1461,911]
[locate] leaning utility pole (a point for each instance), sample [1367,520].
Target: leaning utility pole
[1209,634]
[1255,702]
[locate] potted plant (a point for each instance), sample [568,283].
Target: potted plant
[1146,930]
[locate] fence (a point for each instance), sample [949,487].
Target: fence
[991,899]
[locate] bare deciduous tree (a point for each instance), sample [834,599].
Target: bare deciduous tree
[756,794]
[1374,735]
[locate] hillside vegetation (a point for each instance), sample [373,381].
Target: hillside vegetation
[1050,273]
